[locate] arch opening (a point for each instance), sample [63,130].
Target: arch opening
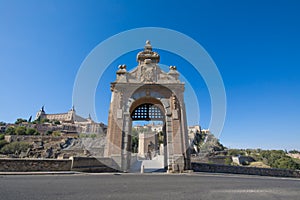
[148,135]
[148,94]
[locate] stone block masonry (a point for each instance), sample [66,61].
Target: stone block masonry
[91,164]
[215,168]
[30,165]
[80,164]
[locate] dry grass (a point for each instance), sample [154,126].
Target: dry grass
[259,164]
[294,155]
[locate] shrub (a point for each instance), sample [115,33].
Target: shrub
[49,132]
[85,135]
[36,133]
[20,130]
[56,122]
[45,120]
[2,136]
[30,131]
[278,159]
[15,147]
[286,163]
[93,135]
[236,152]
[294,151]
[228,161]
[82,135]
[56,133]
[2,143]
[20,120]
[10,131]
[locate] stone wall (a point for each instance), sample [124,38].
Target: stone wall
[26,165]
[215,168]
[148,142]
[81,164]
[91,164]
[242,160]
[32,138]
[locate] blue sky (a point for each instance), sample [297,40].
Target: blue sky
[255,45]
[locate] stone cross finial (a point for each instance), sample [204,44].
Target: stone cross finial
[148,46]
[148,54]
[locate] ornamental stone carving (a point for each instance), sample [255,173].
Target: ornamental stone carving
[147,93]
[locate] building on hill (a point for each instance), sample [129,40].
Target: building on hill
[192,130]
[149,127]
[68,117]
[73,122]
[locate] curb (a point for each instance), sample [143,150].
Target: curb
[40,173]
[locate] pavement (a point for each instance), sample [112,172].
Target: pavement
[146,166]
[146,186]
[40,173]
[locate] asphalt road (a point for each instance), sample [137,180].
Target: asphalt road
[154,186]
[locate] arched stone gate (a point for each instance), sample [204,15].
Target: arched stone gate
[148,93]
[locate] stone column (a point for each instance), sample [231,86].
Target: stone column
[126,147]
[184,134]
[113,148]
[169,136]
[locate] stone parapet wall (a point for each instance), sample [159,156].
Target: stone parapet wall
[81,164]
[29,165]
[215,168]
[91,164]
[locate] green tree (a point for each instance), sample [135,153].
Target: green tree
[31,131]
[198,139]
[278,159]
[10,131]
[160,137]
[236,152]
[44,120]
[294,151]
[20,120]
[2,123]
[20,130]
[49,132]
[286,163]
[2,143]
[56,122]
[2,136]
[134,144]
[248,151]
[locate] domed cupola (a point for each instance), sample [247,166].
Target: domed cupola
[148,54]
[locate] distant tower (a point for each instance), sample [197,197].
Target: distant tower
[40,114]
[72,114]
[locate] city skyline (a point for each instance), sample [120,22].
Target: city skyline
[254,44]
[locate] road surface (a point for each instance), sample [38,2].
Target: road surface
[147,186]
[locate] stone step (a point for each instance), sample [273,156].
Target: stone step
[154,165]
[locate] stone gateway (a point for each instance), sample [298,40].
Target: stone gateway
[148,94]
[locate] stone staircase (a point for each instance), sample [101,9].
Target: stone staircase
[148,166]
